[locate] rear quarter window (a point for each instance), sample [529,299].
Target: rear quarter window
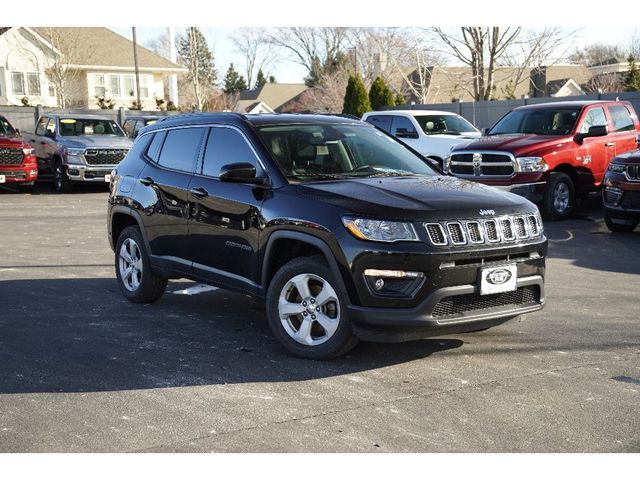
[381,121]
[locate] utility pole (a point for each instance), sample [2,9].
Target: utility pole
[173,56]
[135,64]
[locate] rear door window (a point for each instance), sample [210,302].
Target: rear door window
[622,121]
[40,129]
[381,121]
[180,149]
[403,127]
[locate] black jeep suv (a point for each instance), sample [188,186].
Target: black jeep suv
[344,231]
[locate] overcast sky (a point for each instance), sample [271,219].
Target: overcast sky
[287,71]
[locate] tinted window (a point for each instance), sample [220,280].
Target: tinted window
[128,127]
[595,118]
[224,146]
[154,147]
[402,124]
[381,121]
[622,120]
[139,146]
[70,127]
[539,121]
[41,124]
[443,124]
[180,148]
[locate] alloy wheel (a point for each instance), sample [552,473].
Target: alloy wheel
[130,264]
[561,197]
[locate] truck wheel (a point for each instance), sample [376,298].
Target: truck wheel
[133,269]
[559,197]
[62,182]
[307,311]
[623,225]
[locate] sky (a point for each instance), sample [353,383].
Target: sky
[287,71]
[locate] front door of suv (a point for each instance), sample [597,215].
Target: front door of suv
[171,160]
[225,221]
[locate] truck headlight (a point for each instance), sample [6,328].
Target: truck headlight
[28,151]
[446,165]
[532,164]
[73,156]
[616,167]
[380,230]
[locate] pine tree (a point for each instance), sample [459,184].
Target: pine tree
[400,100]
[380,95]
[632,77]
[260,79]
[197,58]
[272,79]
[356,100]
[233,81]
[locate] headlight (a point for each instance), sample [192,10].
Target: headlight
[532,164]
[28,151]
[616,167]
[446,165]
[73,156]
[380,230]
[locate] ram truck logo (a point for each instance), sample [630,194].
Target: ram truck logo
[499,277]
[487,212]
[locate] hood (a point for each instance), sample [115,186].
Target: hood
[13,142]
[519,143]
[95,141]
[416,197]
[628,158]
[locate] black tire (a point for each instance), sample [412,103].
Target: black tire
[558,188]
[150,286]
[61,181]
[340,341]
[626,227]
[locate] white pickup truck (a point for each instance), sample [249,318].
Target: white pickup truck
[432,133]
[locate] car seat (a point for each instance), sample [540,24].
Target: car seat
[98,129]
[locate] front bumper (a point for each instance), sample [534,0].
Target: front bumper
[530,191]
[19,173]
[84,173]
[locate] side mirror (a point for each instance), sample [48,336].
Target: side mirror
[404,133]
[240,173]
[595,131]
[18,132]
[485,131]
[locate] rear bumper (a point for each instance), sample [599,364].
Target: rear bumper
[19,173]
[428,318]
[84,173]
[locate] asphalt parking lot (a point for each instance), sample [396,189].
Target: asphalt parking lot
[83,370]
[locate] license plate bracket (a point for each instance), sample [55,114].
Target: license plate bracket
[499,279]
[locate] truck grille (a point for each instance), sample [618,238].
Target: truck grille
[506,229]
[14,174]
[105,156]
[482,164]
[632,172]
[458,304]
[11,156]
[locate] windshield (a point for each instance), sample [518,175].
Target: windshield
[444,124]
[321,152]
[6,130]
[71,127]
[548,121]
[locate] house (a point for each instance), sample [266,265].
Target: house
[443,84]
[36,63]
[269,98]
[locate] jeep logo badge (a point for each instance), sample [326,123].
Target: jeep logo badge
[499,277]
[487,212]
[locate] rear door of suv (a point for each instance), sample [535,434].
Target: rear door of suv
[171,160]
[225,220]
[623,128]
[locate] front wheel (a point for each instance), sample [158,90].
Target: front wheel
[559,197]
[307,310]
[62,182]
[133,269]
[619,225]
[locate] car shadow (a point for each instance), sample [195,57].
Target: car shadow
[47,188]
[81,335]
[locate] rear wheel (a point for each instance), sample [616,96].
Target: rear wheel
[62,182]
[559,197]
[619,225]
[133,269]
[307,310]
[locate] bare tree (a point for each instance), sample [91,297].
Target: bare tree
[597,54]
[258,53]
[61,65]
[326,97]
[195,55]
[605,83]
[160,45]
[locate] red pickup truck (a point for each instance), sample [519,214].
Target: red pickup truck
[18,164]
[549,152]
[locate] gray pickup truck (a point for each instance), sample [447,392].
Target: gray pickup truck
[77,148]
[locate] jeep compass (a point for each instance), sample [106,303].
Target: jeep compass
[345,232]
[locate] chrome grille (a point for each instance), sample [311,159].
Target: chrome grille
[632,172]
[105,156]
[482,164]
[11,156]
[503,229]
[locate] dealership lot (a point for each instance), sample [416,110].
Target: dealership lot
[81,369]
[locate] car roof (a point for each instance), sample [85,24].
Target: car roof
[237,119]
[571,104]
[81,116]
[415,113]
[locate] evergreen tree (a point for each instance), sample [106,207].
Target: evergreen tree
[260,79]
[632,77]
[233,81]
[272,79]
[380,95]
[356,100]
[400,100]
[197,58]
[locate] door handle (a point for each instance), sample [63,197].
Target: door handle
[609,144]
[43,143]
[147,181]
[32,141]
[199,192]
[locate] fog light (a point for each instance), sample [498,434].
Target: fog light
[612,195]
[393,283]
[379,285]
